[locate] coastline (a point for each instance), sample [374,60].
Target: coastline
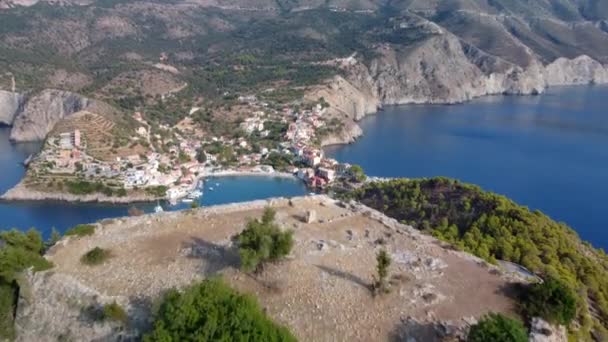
[353,130]
[20,193]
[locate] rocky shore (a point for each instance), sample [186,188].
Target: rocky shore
[440,69]
[21,193]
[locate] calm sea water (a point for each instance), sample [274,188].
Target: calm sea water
[45,215]
[548,152]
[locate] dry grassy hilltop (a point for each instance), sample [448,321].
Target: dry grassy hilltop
[321,292]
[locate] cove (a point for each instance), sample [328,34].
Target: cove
[548,152]
[61,215]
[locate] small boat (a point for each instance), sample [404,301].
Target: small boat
[195,194]
[158,208]
[187,200]
[211,188]
[217,184]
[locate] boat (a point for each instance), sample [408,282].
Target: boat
[187,200]
[211,189]
[195,194]
[217,184]
[158,208]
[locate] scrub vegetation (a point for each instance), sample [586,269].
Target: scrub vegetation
[95,256]
[498,328]
[495,228]
[18,252]
[263,241]
[81,230]
[212,311]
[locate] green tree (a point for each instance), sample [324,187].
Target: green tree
[263,241]
[212,311]
[383,262]
[55,237]
[201,157]
[551,300]
[497,328]
[357,173]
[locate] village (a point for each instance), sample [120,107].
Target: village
[179,159]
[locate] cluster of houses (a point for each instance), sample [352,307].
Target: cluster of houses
[180,174]
[320,170]
[65,156]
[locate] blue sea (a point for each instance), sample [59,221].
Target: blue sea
[548,152]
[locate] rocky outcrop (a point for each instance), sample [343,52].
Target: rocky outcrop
[10,105]
[581,70]
[43,111]
[542,331]
[69,301]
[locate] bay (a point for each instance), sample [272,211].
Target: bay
[61,215]
[548,152]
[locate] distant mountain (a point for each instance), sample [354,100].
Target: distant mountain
[133,54]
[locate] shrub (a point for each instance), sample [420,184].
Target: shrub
[212,311]
[551,300]
[114,312]
[357,173]
[19,251]
[81,230]
[383,262]
[95,256]
[263,241]
[497,328]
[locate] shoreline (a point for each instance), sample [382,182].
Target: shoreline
[20,193]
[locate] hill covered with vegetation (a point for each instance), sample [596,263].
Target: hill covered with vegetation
[495,228]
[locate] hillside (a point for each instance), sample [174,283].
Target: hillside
[166,58]
[320,292]
[494,228]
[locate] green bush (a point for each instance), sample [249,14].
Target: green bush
[383,262]
[212,311]
[19,252]
[357,173]
[95,256]
[115,312]
[551,300]
[497,328]
[81,230]
[263,241]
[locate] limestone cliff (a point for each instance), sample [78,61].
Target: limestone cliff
[442,68]
[10,105]
[43,111]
